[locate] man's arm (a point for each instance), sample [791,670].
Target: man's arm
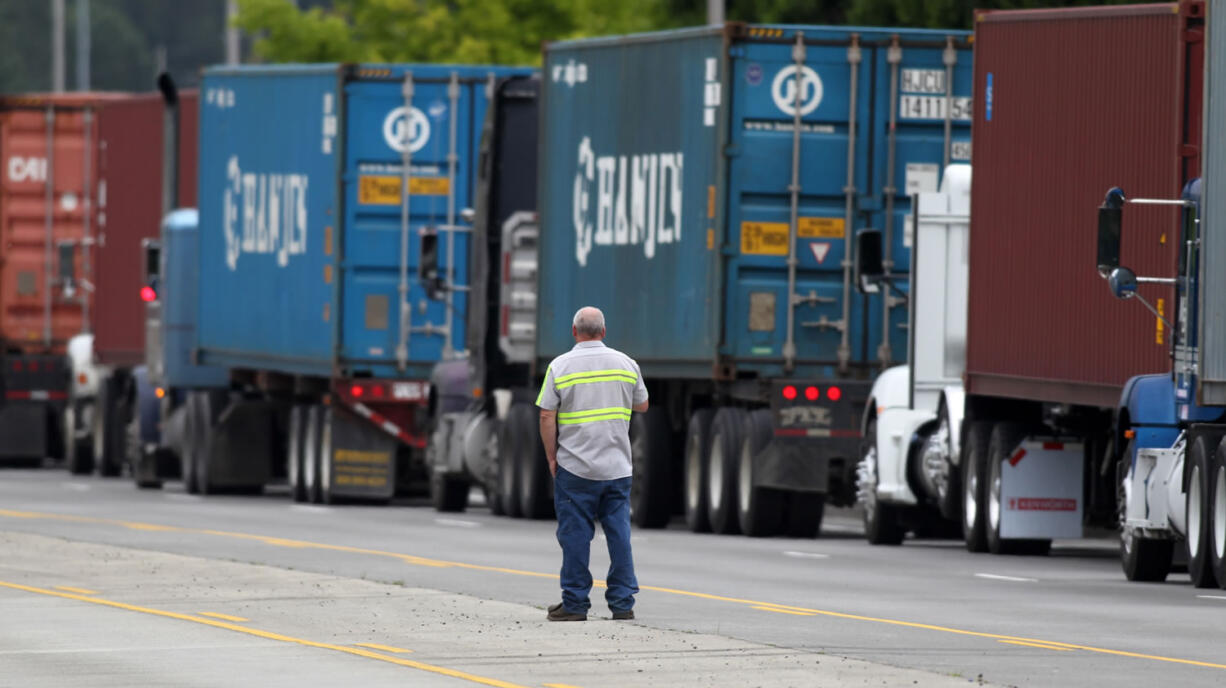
[641,408]
[549,437]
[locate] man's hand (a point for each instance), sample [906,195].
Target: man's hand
[549,437]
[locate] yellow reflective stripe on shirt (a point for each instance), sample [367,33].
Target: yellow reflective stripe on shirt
[607,378]
[599,373]
[616,415]
[595,412]
[540,397]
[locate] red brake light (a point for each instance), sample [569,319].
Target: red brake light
[377,390]
[356,390]
[834,393]
[16,366]
[147,294]
[812,393]
[789,392]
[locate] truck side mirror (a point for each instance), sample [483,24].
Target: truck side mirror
[427,265]
[870,268]
[1110,229]
[1123,283]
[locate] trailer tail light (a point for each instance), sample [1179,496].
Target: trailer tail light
[789,392]
[377,391]
[356,391]
[834,393]
[161,392]
[16,366]
[812,393]
[147,294]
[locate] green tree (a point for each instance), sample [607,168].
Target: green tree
[945,14]
[470,31]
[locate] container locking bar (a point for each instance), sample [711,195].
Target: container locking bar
[798,56]
[854,57]
[885,353]
[453,95]
[406,168]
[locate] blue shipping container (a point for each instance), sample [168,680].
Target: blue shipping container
[304,264]
[666,188]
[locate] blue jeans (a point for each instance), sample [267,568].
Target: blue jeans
[579,503]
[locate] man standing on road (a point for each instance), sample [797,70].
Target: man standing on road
[585,402]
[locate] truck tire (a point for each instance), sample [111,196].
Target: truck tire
[804,514]
[326,474]
[108,427]
[294,453]
[881,521]
[1217,550]
[492,484]
[697,449]
[1004,439]
[949,501]
[1144,560]
[1199,515]
[727,430]
[449,493]
[203,425]
[138,458]
[974,472]
[535,482]
[191,448]
[311,464]
[78,454]
[508,470]
[759,509]
[652,460]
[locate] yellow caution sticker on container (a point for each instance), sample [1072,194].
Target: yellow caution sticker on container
[385,190]
[771,238]
[1158,338]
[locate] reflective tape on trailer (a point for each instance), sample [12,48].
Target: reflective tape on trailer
[36,395]
[387,426]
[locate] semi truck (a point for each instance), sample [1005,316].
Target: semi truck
[146,142]
[1172,474]
[50,197]
[1009,417]
[330,273]
[702,187]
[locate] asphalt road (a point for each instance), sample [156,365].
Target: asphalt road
[714,610]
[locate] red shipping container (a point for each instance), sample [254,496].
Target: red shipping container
[48,189]
[1070,103]
[130,159]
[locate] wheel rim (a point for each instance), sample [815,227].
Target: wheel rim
[867,489]
[994,499]
[693,475]
[970,506]
[942,441]
[745,478]
[1194,512]
[715,473]
[1219,513]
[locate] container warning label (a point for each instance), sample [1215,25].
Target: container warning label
[771,238]
[385,190]
[354,468]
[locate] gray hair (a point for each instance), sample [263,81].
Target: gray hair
[589,321]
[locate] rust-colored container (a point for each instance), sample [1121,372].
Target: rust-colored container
[48,190]
[1068,104]
[130,162]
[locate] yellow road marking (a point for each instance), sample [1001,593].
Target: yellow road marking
[268,635]
[223,617]
[438,563]
[79,591]
[558,685]
[767,608]
[1044,646]
[385,648]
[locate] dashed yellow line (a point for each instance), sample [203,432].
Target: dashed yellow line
[268,635]
[438,563]
[1043,646]
[224,617]
[385,648]
[79,591]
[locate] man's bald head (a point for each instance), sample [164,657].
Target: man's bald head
[588,324]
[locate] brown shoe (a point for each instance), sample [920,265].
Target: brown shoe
[558,613]
[627,615]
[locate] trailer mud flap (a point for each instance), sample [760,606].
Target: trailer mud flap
[794,465]
[23,431]
[1041,490]
[242,449]
[363,458]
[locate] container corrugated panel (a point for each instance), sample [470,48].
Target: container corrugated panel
[667,161]
[301,214]
[1070,103]
[39,133]
[130,209]
[1213,227]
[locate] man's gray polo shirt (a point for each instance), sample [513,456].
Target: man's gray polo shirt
[593,387]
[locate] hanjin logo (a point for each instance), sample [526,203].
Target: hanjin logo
[783,90]
[406,130]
